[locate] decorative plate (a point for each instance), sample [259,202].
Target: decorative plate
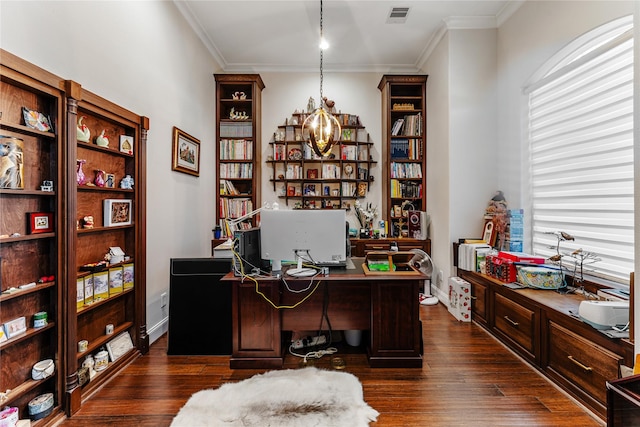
[295,154]
[348,169]
[36,120]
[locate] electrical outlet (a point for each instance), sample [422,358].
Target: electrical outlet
[163,300]
[440,277]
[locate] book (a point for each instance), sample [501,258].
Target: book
[127,276]
[223,250]
[79,292]
[100,285]
[88,289]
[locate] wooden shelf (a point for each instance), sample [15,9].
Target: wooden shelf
[27,237]
[31,332]
[108,150]
[86,308]
[21,390]
[27,130]
[104,229]
[22,292]
[97,343]
[38,193]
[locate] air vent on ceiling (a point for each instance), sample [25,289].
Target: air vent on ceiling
[398,15]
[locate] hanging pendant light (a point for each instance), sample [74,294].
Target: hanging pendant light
[321,125]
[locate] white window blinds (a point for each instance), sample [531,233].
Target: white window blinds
[581,154]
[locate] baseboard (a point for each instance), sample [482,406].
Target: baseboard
[157,330]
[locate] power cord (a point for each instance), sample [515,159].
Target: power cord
[318,354]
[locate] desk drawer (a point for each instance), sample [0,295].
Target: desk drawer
[479,302]
[516,323]
[585,364]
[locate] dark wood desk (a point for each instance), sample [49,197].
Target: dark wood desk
[386,306]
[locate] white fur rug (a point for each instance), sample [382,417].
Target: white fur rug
[288,398]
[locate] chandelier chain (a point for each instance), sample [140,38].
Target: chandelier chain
[321,53]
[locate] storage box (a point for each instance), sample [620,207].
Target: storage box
[539,276]
[521,257]
[115,280]
[388,262]
[79,292]
[100,285]
[127,276]
[460,299]
[88,289]
[501,268]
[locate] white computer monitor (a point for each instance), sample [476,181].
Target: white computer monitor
[319,233]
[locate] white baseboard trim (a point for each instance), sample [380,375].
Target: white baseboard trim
[157,330]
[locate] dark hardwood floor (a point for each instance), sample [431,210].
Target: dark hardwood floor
[468,379]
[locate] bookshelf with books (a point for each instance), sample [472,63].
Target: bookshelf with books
[238,116]
[313,182]
[403,148]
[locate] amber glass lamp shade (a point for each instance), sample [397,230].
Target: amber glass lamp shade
[322,127]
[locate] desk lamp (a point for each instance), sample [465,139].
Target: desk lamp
[232,224]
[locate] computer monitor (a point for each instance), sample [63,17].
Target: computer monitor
[318,234]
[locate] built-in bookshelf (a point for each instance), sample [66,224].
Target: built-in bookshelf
[309,181]
[238,113]
[403,148]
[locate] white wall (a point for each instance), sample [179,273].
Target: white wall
[143,56]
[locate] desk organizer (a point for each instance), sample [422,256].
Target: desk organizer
[388,262]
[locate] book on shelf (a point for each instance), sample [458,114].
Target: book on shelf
[396,129]
[236,149]
[236,170]
[236,129]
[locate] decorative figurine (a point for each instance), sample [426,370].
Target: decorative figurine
[102,140]
[80,177]
[239,95]
[83,133]
[126,183]
[237,115]
[311,105]
[46,186]
[11,162]
[87,222]
[99,181]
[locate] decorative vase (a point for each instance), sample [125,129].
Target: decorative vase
[99,181]
[80,177]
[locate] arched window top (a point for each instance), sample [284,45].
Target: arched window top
[582,49]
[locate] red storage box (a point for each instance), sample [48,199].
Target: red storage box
[502,269]
[521,257]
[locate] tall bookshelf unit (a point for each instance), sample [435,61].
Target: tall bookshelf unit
[314,182]
[31,255]
[404,147]
[122,306]
[238,145]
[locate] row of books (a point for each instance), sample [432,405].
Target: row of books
[405,148]
[236,129]
[410,125]
[235,208]
[236,170]
[236,149]
[400,189]
[227,188]
[330,171]
[405,170]
[101,285]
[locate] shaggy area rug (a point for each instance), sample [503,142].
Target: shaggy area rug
[288,398]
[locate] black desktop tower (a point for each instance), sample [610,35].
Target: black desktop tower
[199,307]
[246,243]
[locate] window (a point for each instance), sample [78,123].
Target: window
[581,151]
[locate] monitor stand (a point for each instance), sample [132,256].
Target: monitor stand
[301,271]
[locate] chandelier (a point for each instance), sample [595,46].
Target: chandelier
[321,125]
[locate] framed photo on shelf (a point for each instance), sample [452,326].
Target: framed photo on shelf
[126,144]
[312,173]
[15,327]
[40,222]
[117,212]
[186,153]
[119,346]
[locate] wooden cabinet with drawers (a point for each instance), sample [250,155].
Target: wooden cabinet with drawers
[540,327]
[517,324]
[360,247]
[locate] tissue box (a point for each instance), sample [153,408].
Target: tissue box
[539,277]
[460,299]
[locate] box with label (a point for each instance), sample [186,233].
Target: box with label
[88,289]
[100,285]
[127,276]
[115,280]
[79,292]
[460,299]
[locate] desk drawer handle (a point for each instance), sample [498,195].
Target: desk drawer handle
[474,297]
[514,324]
[586,368]
[377,247]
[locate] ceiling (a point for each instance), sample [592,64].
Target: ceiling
[263,36]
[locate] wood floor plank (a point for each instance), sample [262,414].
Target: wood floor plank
[468,379]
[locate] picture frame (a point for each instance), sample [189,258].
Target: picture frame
[117,212]
[312,173]
[40,222]
[15,327]
[109,180]
[186,153]
[119,346]
[126,144]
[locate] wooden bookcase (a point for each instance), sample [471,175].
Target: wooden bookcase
[26,255]
[238,145]
[124,308]
[315,182]
[404,147]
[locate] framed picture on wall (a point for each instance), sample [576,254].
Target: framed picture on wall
[186,153]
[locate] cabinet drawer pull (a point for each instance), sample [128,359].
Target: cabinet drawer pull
[514,324]
[474,297]
[377,247]
[586,368]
